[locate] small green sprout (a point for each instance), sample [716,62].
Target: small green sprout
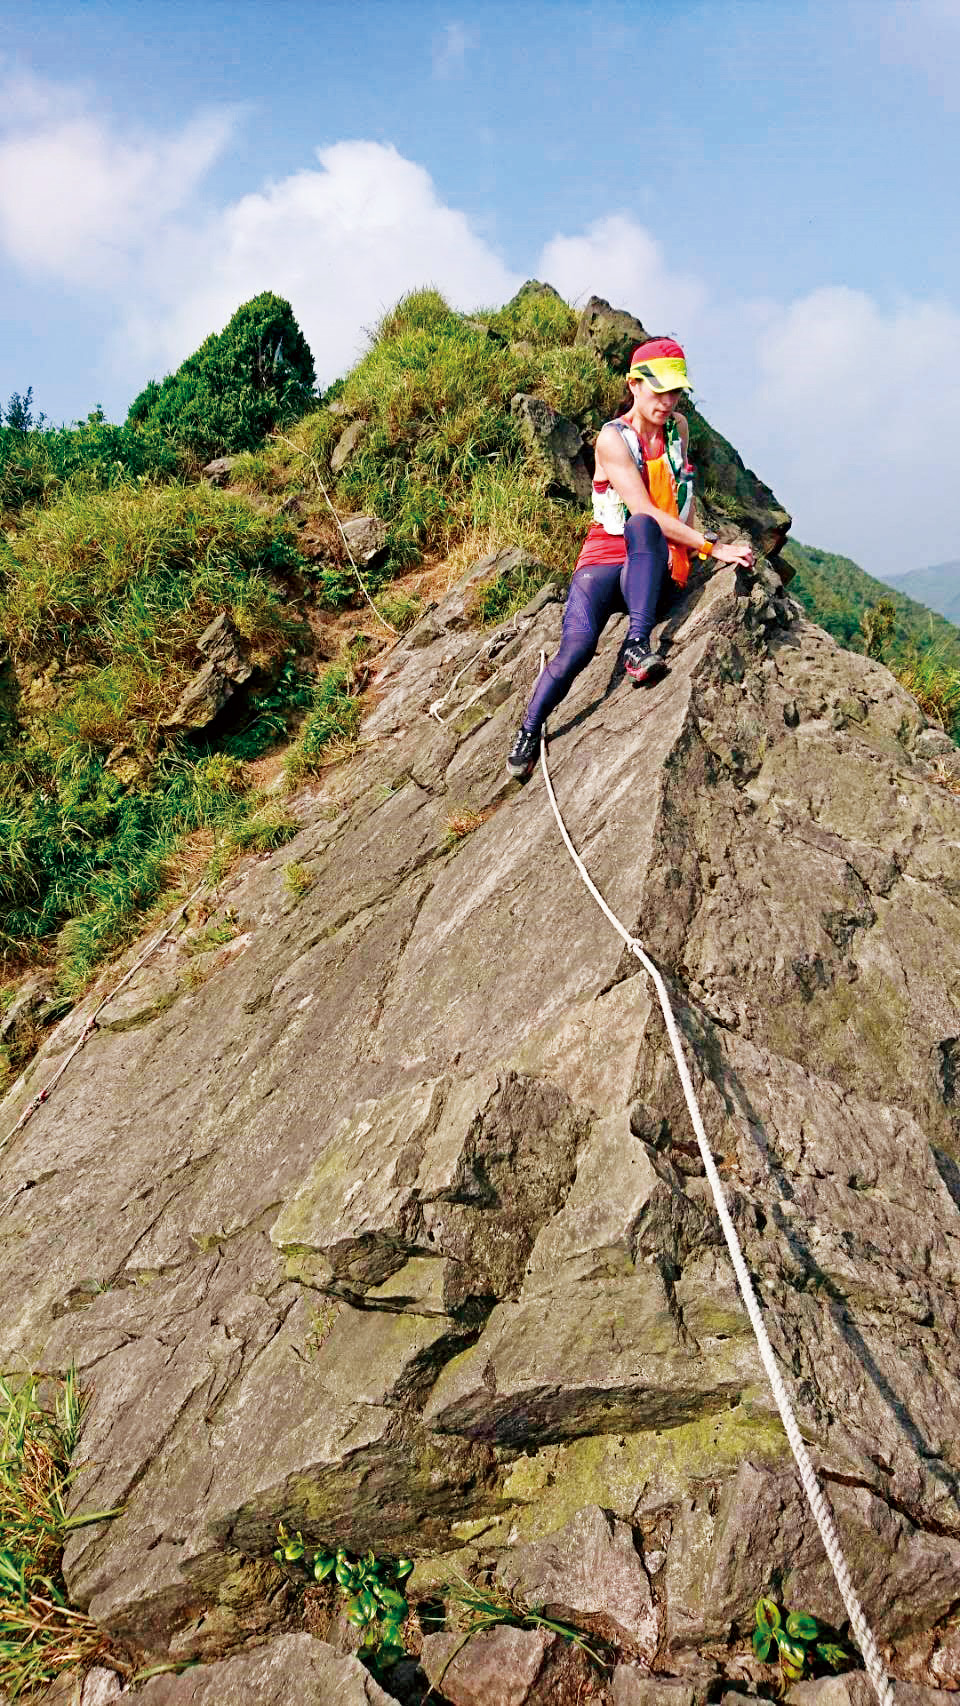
[799,1641]
[370,1590]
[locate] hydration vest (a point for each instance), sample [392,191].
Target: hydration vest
[609,510]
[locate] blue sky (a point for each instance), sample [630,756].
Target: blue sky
[772,182]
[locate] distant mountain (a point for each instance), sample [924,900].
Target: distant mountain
[937,587]
[836,592]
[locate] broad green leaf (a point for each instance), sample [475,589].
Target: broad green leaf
[767,1614]
[344,1573]
[323,1567]
[802,1626]
[762,1642]
[394,1603]
[403,1567]
[356,1612]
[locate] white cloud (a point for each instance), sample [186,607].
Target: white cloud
[78,201]
[850,413]
[341,240]
[619,259]
[449,50]
[846,406]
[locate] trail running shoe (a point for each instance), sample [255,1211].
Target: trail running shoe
[640,663]
[523,754]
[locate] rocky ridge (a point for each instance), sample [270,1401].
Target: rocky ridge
[387,1222]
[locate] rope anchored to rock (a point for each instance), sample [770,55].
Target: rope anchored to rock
[816,1497]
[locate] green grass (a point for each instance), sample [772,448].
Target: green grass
[41,1635]
[933,678]
[37,466]
[102,597]
[331,725]
[442,462]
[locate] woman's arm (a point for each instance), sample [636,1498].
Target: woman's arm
[625,478]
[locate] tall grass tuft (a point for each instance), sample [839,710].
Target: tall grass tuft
[41,1634]
[934,682]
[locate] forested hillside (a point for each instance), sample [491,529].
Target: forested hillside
[838,593]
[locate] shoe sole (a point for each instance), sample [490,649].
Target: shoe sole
[520,774]
[652,672]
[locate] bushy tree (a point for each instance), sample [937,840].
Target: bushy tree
[256,374]
[20,412]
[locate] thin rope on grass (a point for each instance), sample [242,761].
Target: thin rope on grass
[91,1025]
[816,1497]
[346,543]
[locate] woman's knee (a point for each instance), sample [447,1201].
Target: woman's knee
[642,532]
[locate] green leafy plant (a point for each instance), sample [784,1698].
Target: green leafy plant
[298,879]
[242,382]
[41,1634]
[370,1588]
[801,1641]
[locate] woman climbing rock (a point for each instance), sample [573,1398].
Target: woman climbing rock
[636,556]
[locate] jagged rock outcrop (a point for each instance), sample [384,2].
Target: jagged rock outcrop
[216,681]
[390,1225]
[556,443]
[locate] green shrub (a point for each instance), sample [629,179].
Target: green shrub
[242,382]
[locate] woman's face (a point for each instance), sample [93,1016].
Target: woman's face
[654,406]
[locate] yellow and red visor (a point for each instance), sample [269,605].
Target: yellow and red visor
[661,362]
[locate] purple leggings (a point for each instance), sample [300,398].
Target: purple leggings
[641,586]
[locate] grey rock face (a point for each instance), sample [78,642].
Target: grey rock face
[394,1230]
[556,443]
[591,1567]
[291,1668]
[612,332]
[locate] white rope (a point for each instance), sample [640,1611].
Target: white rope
[91,1026]
[816,1497]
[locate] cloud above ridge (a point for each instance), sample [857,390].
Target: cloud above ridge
[807,389]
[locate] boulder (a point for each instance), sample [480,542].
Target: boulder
[366,537]
[505,1666]
[556,444]
[632,1687]
[350,439]
[216,681]
[217,472]
[290,1668]
[613,332]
